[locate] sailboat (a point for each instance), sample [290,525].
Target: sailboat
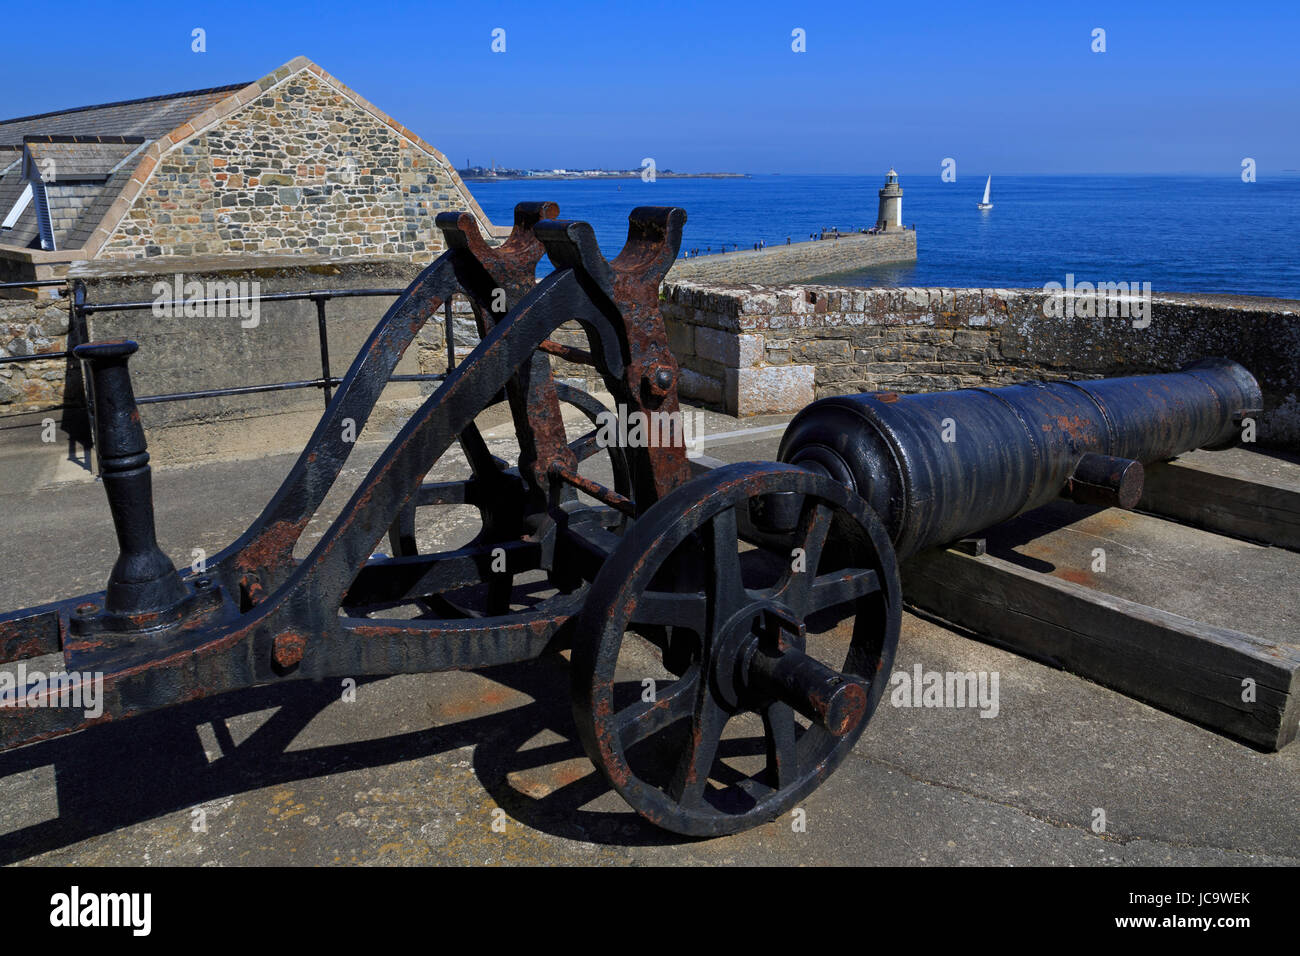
[985,204]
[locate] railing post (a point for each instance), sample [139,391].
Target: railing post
[77,325]
[323,332]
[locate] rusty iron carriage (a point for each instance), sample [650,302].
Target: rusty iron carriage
[762,600]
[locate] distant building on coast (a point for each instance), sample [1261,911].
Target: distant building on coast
[295,161]
[891,204]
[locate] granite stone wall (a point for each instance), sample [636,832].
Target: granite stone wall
[300,168]
[30,327]
[757,350]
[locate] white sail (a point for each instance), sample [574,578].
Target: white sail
[986,190]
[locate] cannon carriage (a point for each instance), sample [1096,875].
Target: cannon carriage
[729,632]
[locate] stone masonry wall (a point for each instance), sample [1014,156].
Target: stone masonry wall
[28,327]
[759,350]
[799,261]
[748,350]
[302,167]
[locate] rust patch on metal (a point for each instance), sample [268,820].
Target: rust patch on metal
[1077,427]
[287,649]
[273,547]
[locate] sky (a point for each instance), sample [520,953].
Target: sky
[1189,87]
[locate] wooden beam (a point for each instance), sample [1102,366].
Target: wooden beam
[1193,670]
[1256,510]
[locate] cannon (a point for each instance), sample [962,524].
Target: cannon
[937,467]
[730,629]
[644,579]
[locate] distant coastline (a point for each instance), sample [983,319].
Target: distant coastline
[478,174]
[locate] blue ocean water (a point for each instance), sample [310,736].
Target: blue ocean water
[1180,233]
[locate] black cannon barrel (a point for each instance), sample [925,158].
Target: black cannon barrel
[942,465]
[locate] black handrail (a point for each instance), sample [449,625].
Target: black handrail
[31,283]
[274,387]
[80,308]
[33,357]
[321,294]
[320,297]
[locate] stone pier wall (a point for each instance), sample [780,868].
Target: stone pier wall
[799,261]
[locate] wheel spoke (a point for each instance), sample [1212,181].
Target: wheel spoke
[810,538]
[696,762]
[481,461]
[831,589]
[669,608]
[728,591]
[444,493]
[642,719]
[782,752]
[401,536]
[586,446]
[816,525]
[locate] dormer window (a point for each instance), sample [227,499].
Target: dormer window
[20,207]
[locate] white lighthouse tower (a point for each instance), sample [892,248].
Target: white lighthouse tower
[891,204]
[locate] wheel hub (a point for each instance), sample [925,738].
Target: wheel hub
[761,659]
[762,626]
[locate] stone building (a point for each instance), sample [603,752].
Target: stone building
[295,161]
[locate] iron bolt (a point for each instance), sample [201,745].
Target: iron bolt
[659,378]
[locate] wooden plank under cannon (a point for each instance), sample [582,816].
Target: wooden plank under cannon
[1201,491]
[1193,670]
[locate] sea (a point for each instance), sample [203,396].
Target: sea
[1180,233]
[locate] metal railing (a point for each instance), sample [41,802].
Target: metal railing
[320,297]
[32,283]
[80,309]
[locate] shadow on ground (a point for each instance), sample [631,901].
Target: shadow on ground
[115,776]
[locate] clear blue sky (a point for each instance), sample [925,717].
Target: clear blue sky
[1182,87]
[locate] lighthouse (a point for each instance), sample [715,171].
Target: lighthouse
[891,204]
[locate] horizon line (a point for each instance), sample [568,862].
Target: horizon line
[1234,174]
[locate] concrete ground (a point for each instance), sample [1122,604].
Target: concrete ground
[412,771]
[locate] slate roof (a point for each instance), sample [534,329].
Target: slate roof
[71,158]
[93,146]
[150,117]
